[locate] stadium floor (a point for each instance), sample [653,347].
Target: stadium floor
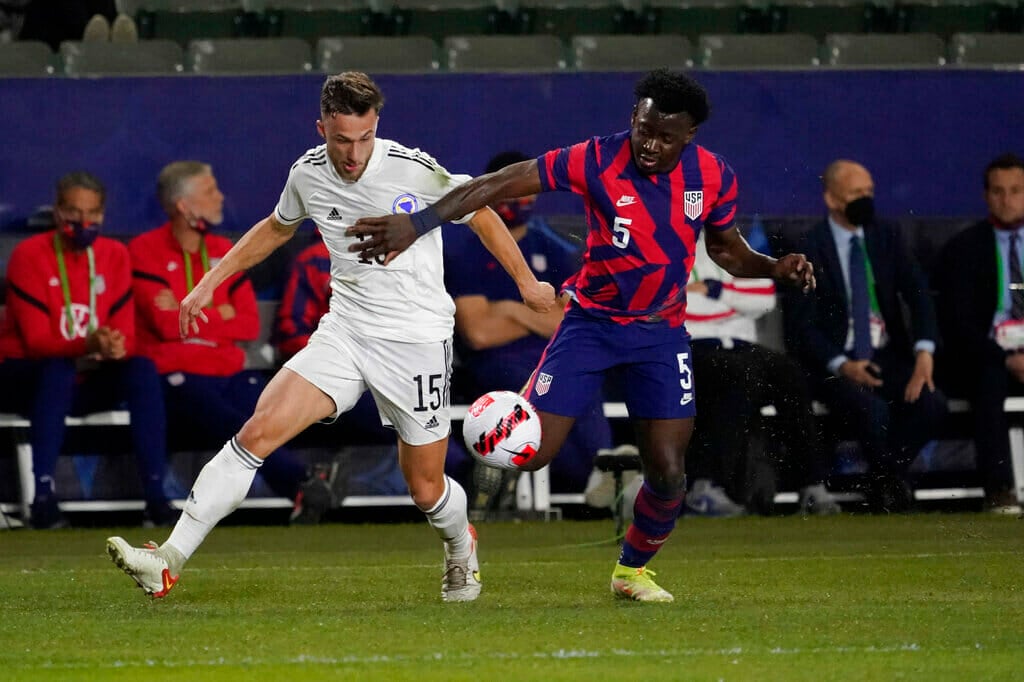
[927,596]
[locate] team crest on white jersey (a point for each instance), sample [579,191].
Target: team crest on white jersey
[405,203]
[544,383]
[693,203]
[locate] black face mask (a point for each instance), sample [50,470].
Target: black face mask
[860,211]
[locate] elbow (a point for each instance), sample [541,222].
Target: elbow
[476,339]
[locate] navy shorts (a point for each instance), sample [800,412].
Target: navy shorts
[653,360]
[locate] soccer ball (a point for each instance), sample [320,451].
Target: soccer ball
[502,430]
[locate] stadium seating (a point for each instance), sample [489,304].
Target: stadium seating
[27,58]
[440,18]
[566,18]
[820,17]
[185,20]
[631,53]
[947,18]
[504,53]
[758,51]
[249,55]
[885,50]
[315,19]
[693,18]
[119,59]
[377,54]
[987,48]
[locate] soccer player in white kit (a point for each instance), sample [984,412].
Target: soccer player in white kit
[389,329]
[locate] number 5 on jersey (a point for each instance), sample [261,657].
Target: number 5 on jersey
[620,228]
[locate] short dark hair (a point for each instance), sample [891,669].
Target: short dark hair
[351,92]
[503,159]
[83,180]
[1006,161]
[673,92]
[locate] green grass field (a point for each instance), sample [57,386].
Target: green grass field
[930,596]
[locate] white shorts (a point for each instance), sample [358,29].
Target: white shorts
[410,382]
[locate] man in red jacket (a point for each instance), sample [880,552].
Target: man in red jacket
[206,388]
[68,342]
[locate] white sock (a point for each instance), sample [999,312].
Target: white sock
[449,518]
[219,489]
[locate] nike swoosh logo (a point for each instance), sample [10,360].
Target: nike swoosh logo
[625,201]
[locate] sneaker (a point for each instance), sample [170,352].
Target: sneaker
[815,500]
[144,565]
[313,499]
[705,499]
[637,584]
[461,580]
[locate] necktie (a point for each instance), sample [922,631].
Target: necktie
[1016,292]
[859,305]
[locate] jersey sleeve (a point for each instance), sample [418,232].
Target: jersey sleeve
[564,170]
[724,211]
[291,209]
[121,315]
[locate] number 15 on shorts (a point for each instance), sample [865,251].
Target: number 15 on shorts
[685,378]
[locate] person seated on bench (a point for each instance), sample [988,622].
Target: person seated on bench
[981,314]
[68,345]
[850,336]
[499,339]
[207,391]
[737,377]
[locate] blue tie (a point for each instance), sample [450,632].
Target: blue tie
[859,305]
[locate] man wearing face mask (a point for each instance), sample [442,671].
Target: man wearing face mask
[981,314]
[850,335]
[68,343]
[500,338]
[208,392]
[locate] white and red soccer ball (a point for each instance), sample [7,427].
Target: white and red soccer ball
[502,430]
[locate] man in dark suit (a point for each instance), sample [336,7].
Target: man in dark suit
[851,337]
[981,315]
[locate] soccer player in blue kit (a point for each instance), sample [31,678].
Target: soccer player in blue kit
[648,192]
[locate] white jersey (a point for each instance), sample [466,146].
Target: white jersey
[406,300]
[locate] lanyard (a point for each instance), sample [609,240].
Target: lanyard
[870,276]
[65,286]
[203,256]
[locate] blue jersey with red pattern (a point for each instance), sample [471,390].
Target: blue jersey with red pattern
[642,229]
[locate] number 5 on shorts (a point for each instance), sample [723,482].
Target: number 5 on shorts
[685,378]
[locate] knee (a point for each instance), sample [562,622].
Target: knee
[258,434]
[425,492]
[666,477]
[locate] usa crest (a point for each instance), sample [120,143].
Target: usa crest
[543,383]
[693,204]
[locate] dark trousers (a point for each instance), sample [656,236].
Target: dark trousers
[986,383]
[890,430]
[732,386]
[48,390]
[211,410]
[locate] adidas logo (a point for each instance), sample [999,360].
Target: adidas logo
[432,424]
[334,214]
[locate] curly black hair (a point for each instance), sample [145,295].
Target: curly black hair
[673,92]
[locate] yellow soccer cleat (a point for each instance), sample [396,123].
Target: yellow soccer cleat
[637,584]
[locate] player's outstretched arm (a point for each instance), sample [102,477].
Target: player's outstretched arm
[539,296]
[393,234]
[731,252]
[254,246]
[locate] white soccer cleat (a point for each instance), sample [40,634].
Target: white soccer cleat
[461,580]
[144,565]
